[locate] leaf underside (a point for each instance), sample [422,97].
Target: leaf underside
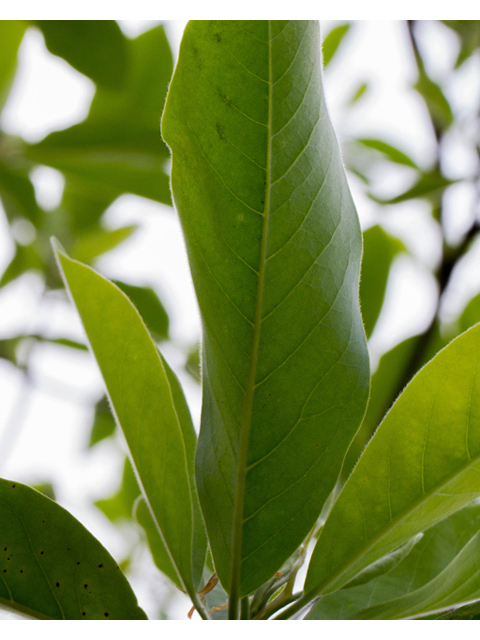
[421,465]
[274,247]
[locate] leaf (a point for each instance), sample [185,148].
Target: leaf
[438,547]
[379,250]
[96,48]
[11,34]
[151,410]
[385,564]
[359,92]
[120,506]
[469,32]
[437,103]
[118,148]
[159,552]
[471,314]
[274,247]
[420,466]
[149,306]
[332,41]
[389,151]
[51,567]
[431,185]
[459,583]
[18,195]
[103,422]
[24,259]
[90,245]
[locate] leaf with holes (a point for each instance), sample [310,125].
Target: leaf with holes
[51,567]
[274,246]
[421,465]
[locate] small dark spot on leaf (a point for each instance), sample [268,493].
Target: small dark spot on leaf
[106,614]
[5,548]
[85,586]
[100,566]
[42,552]
[13,486]
[78,562]
[57,584]
[4,571]
[217,37]
[43,521]
[83,613]
[21,570]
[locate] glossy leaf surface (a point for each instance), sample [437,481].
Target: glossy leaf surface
[149,407]
[421,465]
[51,567]
[274,248]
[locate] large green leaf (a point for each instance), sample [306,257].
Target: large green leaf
[274,246]
[421,465]
[438,547]
[151,410]
[51,567]
[96,48]
[118,148]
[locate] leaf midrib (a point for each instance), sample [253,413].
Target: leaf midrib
[252,372]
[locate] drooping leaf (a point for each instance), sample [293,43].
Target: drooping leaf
[118,148]
[332,42]
[149,306]
[11,34]
[89,246]
[274,247]
[150,408]
[389,151]
[51,567]
[438,547]
[420,466]
[96,48]
[379,250]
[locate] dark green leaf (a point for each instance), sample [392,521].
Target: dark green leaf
[192,364]
[150,408]
[18,195]
[437,103]
[149,306]
[332,41]
[274,247]
[24,259]
[51,567]
[120,506]
[419,467]
[96,48]
[103,423]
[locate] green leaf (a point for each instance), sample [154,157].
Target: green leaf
[120,506]
[96,48]
[18,195]
[469,32]
[11,34]
[158,550]
[149,306]
[359,92]
[151,410]
[51,567]
[438,547]
[437,103]
[420,466]
[379,250]
[471,314]
[118,148]
[332,41]
[89,246]
[389,151]
[274,246]
[103,423]
[431,185]
[459,583]
[24,259]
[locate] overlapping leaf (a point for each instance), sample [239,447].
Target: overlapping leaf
[274,247]
[151,410]
[421,465]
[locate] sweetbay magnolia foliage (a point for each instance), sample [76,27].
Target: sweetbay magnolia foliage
[274,246]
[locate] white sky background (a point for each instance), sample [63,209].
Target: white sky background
[50,443]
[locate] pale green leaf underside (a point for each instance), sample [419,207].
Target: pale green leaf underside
[435,551]
[149,406]
[274,247]
[51,567]
[422,464]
